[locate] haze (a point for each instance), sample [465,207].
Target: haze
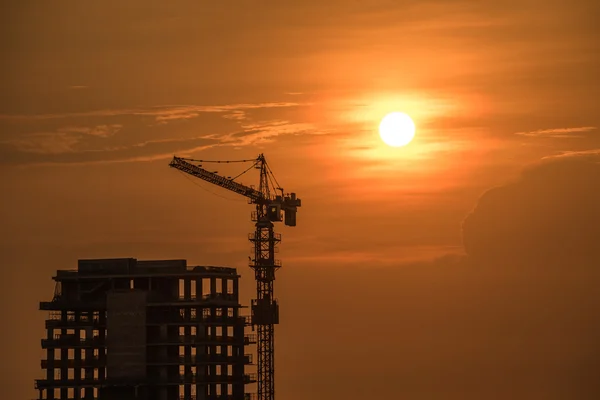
[463,266]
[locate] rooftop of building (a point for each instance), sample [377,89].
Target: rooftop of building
[104,267]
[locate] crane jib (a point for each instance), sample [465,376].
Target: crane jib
[216,179]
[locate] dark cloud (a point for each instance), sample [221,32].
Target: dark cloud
[549,216]
[530,314]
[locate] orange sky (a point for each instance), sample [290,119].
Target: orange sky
[98,96]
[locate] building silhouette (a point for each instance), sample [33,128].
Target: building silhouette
[147,330]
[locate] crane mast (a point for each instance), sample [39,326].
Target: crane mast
[269,207]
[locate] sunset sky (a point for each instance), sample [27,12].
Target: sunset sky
[462,266]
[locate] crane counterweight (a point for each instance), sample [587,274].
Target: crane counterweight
[270,208]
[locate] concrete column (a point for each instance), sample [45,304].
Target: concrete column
[51,363]
[187,331]
[77,353]
[64,358]
[213,285]
[224,286]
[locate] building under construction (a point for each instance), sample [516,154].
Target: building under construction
[151,330]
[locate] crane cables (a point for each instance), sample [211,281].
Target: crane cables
[206,189]
[218,161]
[272,178]
[242,173]
[270,175]
[226,162]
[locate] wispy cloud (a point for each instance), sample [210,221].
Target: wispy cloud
[176,115]
[103,131]
[167,140]
[558,132]
[160,113]
[126,159]
[63,140]
[591,153]
[45,143]
[236,115]
[70,142]
[69,153]
[267,131]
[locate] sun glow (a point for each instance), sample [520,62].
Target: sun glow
[397,129]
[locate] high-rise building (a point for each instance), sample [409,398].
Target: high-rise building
[145,330]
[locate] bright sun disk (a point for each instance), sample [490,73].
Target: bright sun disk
[397,129]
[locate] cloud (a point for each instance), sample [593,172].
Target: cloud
[64,140]
[237,115]
[176,115]
[80,145]
[550,216]
[591,154]
[558,132]
[103,131]
[68,139]
[61,149]
[79,141]
[45,143]
[160,113]
[173,140]
[267,131]
[521,325]
[141,158]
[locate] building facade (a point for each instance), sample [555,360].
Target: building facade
[145,330]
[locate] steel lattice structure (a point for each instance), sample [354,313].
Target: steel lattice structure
[272,205]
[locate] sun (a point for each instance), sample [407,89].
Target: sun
[397,129]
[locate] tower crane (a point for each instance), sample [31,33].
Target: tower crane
[272,205]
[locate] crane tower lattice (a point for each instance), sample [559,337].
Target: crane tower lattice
[272,205]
